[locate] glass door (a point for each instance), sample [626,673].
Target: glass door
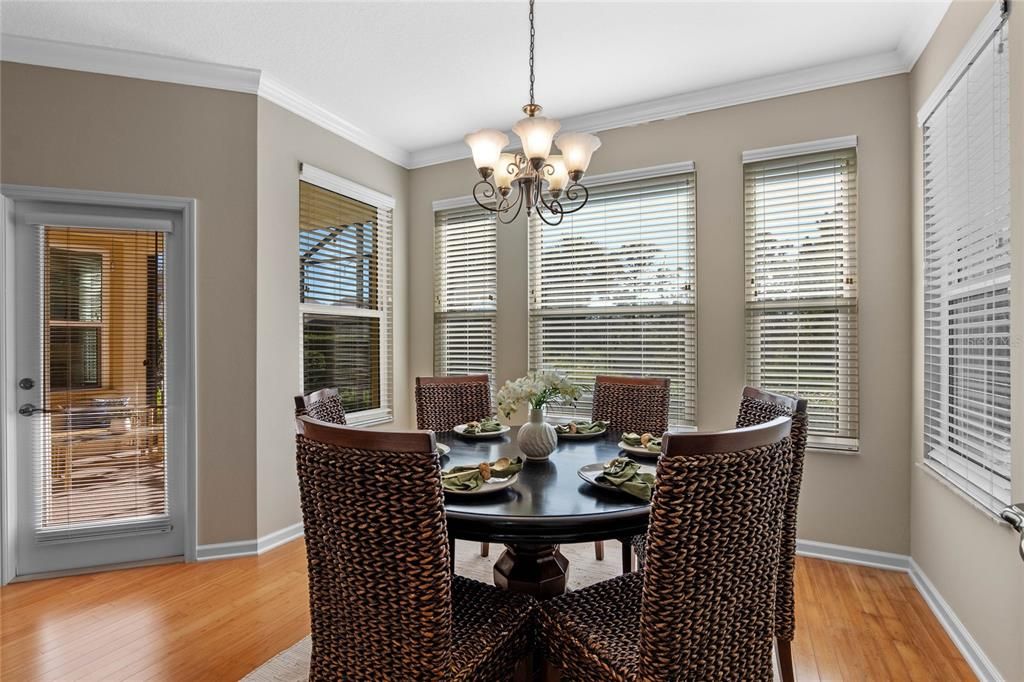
[93,449]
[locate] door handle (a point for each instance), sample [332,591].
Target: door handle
[1014,515]
[28,409]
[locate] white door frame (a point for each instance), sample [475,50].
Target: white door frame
[186,209]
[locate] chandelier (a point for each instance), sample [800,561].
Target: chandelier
[533,177]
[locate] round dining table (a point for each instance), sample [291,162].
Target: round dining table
[548,505]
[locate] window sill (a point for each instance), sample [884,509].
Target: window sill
[828,446]
[370,418]
[946,479]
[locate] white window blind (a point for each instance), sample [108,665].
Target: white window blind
[345,300]
[967,278]
[465,291]
[613,289]
[801,286]
[101,465]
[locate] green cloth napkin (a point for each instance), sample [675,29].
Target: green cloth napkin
[582,427]
[485,425]
[624,474]
[636,441]
[468,478]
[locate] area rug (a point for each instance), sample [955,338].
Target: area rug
[292,664]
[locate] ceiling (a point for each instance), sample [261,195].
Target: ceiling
[421,74]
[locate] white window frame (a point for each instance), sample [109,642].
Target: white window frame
[982,499]
[820,442]
[385,292]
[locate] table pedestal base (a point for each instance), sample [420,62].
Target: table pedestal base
[538,570]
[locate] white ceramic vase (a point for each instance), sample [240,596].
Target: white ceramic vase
[537,439]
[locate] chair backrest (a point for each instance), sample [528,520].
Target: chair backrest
[377,548]
[713,553]
[756,407]
[443,403]
[638,404]
[324,405]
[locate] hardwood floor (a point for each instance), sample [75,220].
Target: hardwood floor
[219,620]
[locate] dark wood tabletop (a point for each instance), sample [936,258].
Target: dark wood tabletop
[549,503]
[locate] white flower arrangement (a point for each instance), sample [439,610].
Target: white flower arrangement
[538,389]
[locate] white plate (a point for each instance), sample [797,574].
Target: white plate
[461,428]
[443,449]
[637,450]
[491,486]
[590,472]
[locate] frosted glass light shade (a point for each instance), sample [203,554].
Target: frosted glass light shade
[536,134]
[505,170]
[560,177]
[486,146]
[577,148]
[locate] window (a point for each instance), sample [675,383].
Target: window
[967,335]
[613,287]
[345,293]
[465,291]
[75,318]
[801,282]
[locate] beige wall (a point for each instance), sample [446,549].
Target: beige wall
[970,558]
[285,140]
[87,131]
[856,500]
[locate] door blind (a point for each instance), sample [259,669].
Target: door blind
[801,286]
[967,335]
[345,300]
[465,291]
[613,289]
[101,464]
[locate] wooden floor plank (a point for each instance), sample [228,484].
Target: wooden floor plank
[220,619]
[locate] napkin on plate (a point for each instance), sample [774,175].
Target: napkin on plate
[469,478]
[485,425]
[624,474]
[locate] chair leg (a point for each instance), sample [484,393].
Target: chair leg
[485,548]
[599,550]
[784,647]
[627,555]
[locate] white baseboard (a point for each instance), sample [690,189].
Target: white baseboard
[972,652]
[853,555]
[240,548]
[968,646]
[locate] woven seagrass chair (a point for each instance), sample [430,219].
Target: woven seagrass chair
[703,607]
[442,403]
[324,405]
[384,604]
[757,407]
[638,404]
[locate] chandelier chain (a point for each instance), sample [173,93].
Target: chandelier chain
[533,33]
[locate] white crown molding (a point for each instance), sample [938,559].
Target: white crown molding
[743,92]
[800,148]
[130,64]
[989,25]
[914,41]
[280,94]
[127,63]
